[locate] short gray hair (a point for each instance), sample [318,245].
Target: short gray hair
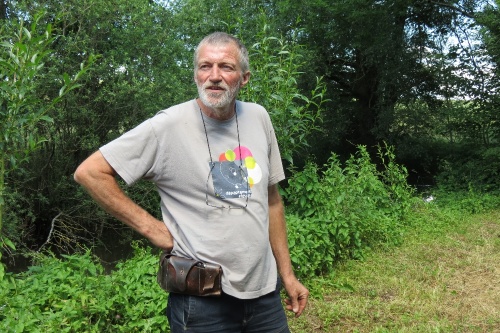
[222,38]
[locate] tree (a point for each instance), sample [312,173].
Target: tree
[490,32]
[374,55]
[139,63]
[23,114]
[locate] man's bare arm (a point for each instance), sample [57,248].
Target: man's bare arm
[297,293]
[97,176]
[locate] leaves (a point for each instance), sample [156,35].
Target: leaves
[341,212]
[74,295]
[23,113]
[276,67]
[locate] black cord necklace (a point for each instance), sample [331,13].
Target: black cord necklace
[208,143]
[244,175]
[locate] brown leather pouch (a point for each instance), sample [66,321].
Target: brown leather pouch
[188,276]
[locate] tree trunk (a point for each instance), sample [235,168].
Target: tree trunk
[3,9]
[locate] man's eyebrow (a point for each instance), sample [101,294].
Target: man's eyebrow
[220,63]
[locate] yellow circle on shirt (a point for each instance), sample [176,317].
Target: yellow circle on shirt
[250,162]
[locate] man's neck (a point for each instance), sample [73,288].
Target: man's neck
[224,113]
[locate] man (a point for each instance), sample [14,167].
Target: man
[216,164]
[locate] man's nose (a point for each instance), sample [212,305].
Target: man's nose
[215,74]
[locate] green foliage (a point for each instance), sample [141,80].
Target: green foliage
[73,295]
[340,212]
[276,65]
[490,33]
[23,114]
[139,65]
[466,202]
[467,166]
[7,243]
[22,57]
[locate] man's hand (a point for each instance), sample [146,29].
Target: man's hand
[297,294]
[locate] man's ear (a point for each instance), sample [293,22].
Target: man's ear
[246,78]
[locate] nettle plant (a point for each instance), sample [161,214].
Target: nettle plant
[73,294]
[340,211]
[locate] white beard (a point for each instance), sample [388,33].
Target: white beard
[220,100]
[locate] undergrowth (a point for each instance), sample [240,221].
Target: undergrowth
[335,213]
[73,294]
[342,211]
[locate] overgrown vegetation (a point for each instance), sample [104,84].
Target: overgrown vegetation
[24,49]
[341,211]
[443,278]
[72,294]
[420,284]
[337,76]
[276,64]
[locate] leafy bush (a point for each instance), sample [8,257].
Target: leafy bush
[276,65]
[74,295]
[467,202]
[468,166]
[340,212]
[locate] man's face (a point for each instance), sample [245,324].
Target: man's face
[218,75]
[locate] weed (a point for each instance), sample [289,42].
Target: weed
[339,213]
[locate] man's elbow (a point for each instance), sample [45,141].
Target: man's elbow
[93,170]
[81,173]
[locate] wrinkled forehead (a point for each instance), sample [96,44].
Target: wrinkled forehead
[219,53]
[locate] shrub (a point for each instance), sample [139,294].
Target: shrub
[468,166]
[74,295]
[341,212]
[467,202]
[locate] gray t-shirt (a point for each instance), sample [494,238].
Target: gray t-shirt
[171,150]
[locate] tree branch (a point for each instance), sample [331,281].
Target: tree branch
[453,7]
[50,232]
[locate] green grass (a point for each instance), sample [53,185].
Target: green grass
[445,277]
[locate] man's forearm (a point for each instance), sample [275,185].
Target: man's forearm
[278,236]
[297,292]
[98,178]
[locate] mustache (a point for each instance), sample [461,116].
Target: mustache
[212,85]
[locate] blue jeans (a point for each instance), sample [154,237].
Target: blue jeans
[226,314]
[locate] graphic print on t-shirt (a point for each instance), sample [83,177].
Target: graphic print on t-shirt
[235,173]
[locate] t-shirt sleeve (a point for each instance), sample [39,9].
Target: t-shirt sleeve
[134,154]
